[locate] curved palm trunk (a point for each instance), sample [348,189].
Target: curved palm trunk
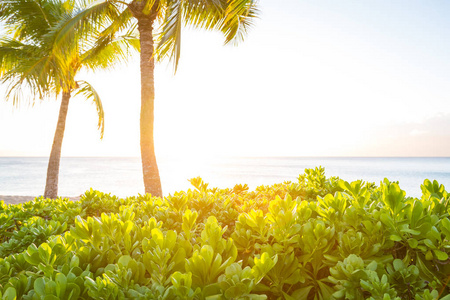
[51,186]
[152,181]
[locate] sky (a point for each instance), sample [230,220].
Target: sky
[312,78]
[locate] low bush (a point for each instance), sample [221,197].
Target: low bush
[318,238]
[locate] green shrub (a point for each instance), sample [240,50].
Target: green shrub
[318,238]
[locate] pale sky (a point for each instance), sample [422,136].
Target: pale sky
[313,78]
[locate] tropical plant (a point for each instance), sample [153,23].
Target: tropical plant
[361,242]
[39,54]
[162,20]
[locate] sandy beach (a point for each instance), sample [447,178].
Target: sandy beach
[21,199]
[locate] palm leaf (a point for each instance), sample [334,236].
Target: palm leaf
[83,22]
[89,93]
[240,15]
[109,48]
[232,17]
[25,18]
[23,64]
[170,38]
[111,53]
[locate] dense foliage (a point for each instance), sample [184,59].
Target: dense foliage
[319,238]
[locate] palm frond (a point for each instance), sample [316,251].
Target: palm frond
[84,21]
[29,19]
[205,14]
[23,64]
[89,93]
[149,6]
[170,37]
[47,54]
[232,17]
[110,53]
[122,43]
[122,22]
[240,15]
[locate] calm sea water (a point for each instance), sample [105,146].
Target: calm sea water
[123,176]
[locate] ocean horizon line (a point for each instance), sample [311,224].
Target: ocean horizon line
[123,175]
[232,156]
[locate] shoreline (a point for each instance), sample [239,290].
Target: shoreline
[16,199]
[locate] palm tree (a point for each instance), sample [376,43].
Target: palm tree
[40,53]
[231,17]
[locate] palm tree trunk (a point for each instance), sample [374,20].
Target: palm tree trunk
[51,186]
[152,181]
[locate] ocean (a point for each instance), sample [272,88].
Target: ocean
[123,176]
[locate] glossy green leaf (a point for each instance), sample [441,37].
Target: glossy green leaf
[39,286]
[10,294]
[440,255]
